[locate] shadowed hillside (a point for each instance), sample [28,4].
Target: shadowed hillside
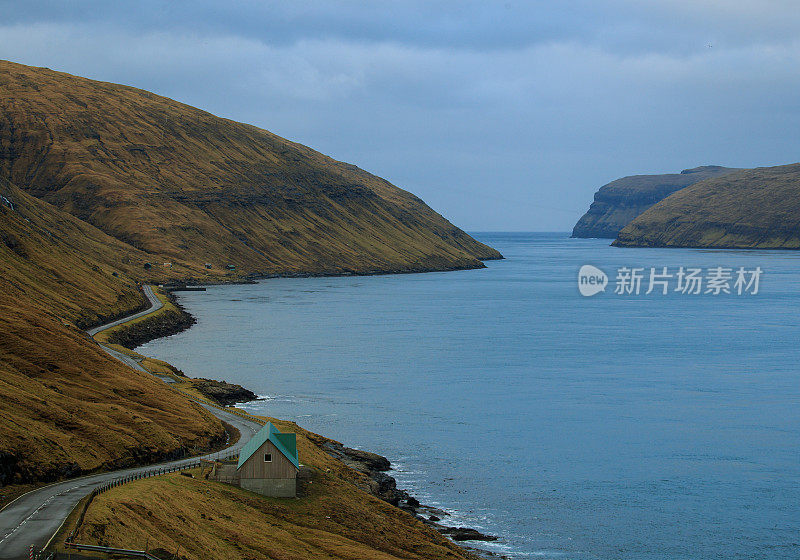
[751,209]
[183,184]
[619,202]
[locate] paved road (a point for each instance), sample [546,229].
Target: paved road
[32,519]
[155,305]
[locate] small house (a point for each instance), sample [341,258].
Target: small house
[268,464]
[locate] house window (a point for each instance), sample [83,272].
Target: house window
[267,457]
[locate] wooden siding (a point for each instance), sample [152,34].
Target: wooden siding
[280,467]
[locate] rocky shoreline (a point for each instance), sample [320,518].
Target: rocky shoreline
[384,486]
[222,392]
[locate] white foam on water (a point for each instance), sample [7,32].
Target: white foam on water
[414,481]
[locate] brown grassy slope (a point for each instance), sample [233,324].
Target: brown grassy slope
[177,181]
[334,518]
[68,408]
[65,406]
[752,209]
[51,257]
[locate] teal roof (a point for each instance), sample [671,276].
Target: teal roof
[285,442]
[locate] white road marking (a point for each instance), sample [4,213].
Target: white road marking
[34,512]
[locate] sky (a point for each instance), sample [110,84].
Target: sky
[502,116]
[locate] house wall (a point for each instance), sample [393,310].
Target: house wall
[274,487]
[256,468]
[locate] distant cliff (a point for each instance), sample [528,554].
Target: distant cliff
[619,202]
[750,209]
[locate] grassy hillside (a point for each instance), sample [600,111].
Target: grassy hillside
[752,209]
[96,181]
[67,407]
[619,202]
[180,183]
[334,518]
[51,257]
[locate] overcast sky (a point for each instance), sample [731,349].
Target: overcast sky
[501,115]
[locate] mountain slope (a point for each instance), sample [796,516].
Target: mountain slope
[619,202]
[106,187]
[51,257]
[752,209]
[180,183]
[68,407]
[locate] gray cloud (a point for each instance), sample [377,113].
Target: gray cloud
[505,115]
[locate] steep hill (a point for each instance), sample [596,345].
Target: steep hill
[619,202]
[100,186]
[67,407]
[179,183]
[96,181]
[752,209]
[74,269]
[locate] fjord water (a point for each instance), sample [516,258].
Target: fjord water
[610,427]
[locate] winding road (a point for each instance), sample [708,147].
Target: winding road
[155,305]
[34,518]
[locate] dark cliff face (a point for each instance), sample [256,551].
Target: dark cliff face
[619,202]
[750,209]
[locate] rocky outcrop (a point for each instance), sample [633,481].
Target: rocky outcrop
[466,534]
[750,209]
[619,202]
[222,392]
[384,487]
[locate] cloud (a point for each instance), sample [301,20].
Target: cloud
[497,119]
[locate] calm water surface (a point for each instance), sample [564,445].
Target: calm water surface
[611,427]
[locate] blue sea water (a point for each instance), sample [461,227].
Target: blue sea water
[606,427]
